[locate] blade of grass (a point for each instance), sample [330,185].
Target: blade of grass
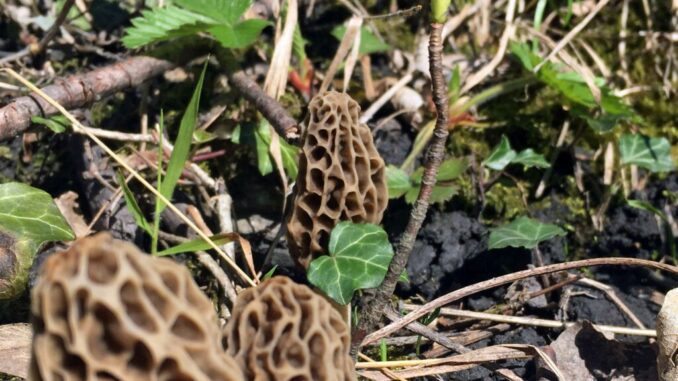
[81,129]
[159,206]
[199,244]
[182,145]
[132,204]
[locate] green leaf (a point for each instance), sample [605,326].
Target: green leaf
[199,244]
[28,218]
[57,123]
[224,11]
[442,193]
[502,155]
[529,158]
[644,205]
[31,214]
[398,181]
[523,232]
[270,273]
[133,206]
[439,10]
[299,46]
[359,257]
[262,138]
[161,24]
[290,154]
[451,169]
[182,145]
[653,154]
[369,43]
[239,35]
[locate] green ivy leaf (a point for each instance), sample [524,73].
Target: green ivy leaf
[523,232]
[359,257]
[502,155]
[369,43]
[31,214]
[653,154]
[398,181]
[529,158]
[28,218]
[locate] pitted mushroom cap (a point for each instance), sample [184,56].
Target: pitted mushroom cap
[104,311]
[281,330]
[341,176]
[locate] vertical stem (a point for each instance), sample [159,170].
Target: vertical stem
[375,304]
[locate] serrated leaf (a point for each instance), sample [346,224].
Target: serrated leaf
[398,181]
[451,169]
[529,158]
[369,43]
[199,244]
[523,232]
[182,144]
[224,11]
[653,154]
[501,156]
[442,193]
[239,35]
[161,24]
[31,214]
[359,257]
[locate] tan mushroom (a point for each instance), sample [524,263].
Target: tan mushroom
[281,330]
[104,311]
[341,176]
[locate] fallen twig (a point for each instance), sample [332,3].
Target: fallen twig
[508,278]
[279,118]
[79,90]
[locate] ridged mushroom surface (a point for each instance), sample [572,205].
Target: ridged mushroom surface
[341,176]
[283,331]
[105,311]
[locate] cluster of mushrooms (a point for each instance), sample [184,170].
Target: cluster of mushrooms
[103,310]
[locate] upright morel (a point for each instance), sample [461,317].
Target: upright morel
[341,176]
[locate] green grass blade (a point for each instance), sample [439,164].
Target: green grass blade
[132,205]
[182,145]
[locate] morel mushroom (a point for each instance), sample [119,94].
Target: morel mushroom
[341,176]
[667,338]
[104,311]
[281,330]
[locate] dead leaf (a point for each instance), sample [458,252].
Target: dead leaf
[585,354]
[15,349]
[667,337]
[69,208]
